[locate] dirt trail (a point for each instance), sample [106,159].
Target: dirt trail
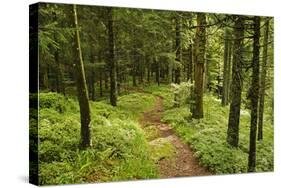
[184,163]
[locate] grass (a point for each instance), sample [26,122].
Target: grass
[207,136]
[119,149]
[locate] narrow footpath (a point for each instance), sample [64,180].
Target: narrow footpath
[183,163]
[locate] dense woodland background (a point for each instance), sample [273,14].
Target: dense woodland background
[101,68]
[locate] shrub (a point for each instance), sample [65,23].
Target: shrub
[182,93]
[119,149]
[57,102]
[216,154]
[207,137]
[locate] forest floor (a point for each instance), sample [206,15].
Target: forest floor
[183,163]
[144,137]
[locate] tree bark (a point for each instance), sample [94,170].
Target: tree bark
[263,80]
[254,96]
[199,65]
[83,97]
[237,82]
[111,60]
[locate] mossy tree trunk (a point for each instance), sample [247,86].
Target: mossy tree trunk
[237,82]
[82,92]
[254,96]
[200,43]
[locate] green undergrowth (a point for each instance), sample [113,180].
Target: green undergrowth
[207,136]
[164,91]
[119,148]
[136,103]
[162,148]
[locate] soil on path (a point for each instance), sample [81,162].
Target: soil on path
[184,163]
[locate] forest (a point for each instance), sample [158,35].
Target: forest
[128,94]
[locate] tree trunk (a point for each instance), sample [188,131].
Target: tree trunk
[148,71]
[178,49]
[58,66]
[134,60]
[226,67]
[190,67]
[93,93]
[59,74]
[157,74]
[228,78]
[199,65]
[237,82]
[254,96]
[100,75]
[57,77]
[134,75]
[170,73]
[111,60]
[119,78]
[207,73]
[92,78]
[141,70]
[81,87]
[263,80]
[106,79]
[46,77]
